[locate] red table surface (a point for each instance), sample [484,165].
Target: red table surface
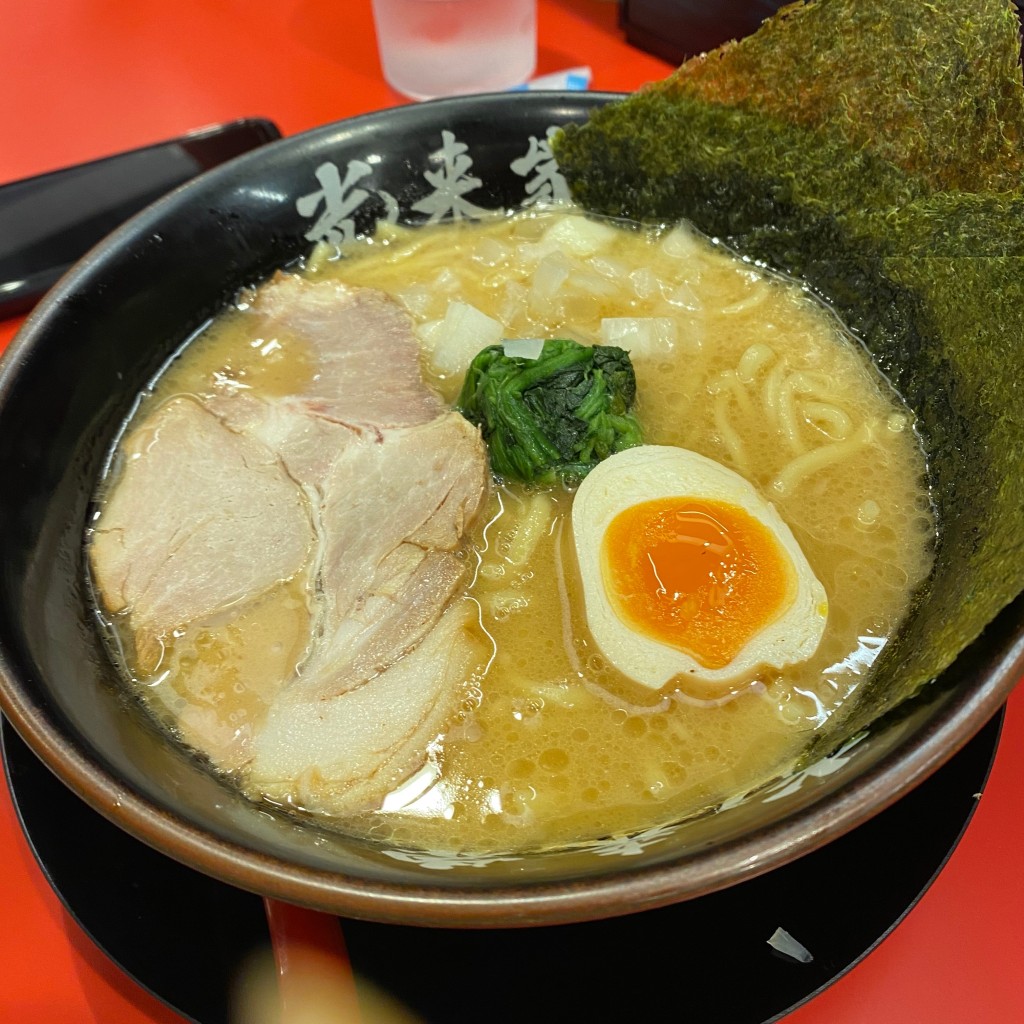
[86,78]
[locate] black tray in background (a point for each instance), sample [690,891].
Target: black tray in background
[184,936]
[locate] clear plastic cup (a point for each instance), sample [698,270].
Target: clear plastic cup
[431,48]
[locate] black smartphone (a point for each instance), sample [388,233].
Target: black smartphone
[47,222]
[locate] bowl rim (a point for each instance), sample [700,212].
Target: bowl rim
[541,903]
[983,690]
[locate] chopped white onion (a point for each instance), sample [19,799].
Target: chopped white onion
[455,340]
[513,303]
[782,941]
[612,269]
[490,252]
[577,236]
[645,282]
[416,298]
[640,335]
[682,243]
[683,295]
[523,348]
[427,333]
[447,281]
[585,282]
[552,273]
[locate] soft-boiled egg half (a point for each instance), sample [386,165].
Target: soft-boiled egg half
[687,571]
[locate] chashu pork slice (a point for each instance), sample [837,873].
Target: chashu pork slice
[201,519]
[392,648]
[365,483]
[393,516]
[394,645]
[366,357]
[393,476]
[348,752]
[365,379]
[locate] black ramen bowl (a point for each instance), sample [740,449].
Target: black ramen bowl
[67,384]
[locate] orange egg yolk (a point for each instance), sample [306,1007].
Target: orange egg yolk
[701,576]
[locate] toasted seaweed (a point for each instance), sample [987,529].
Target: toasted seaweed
[871,148]
[891,76]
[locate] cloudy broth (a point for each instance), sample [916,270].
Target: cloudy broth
[552,746]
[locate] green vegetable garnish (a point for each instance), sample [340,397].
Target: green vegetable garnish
[554,418]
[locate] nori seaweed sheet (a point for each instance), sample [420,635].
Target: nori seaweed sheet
[871,148]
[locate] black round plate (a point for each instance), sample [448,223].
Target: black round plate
[183,935]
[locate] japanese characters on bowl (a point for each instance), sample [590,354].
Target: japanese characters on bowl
[450,184]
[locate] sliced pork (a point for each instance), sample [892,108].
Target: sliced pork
[366,356]
[367,383]
[348,752]
[392,516]
[361,483]
[179,533]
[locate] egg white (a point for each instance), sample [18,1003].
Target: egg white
[649,472]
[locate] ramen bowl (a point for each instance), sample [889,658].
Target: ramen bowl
[70,379]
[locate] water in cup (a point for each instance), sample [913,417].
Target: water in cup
[432,48]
